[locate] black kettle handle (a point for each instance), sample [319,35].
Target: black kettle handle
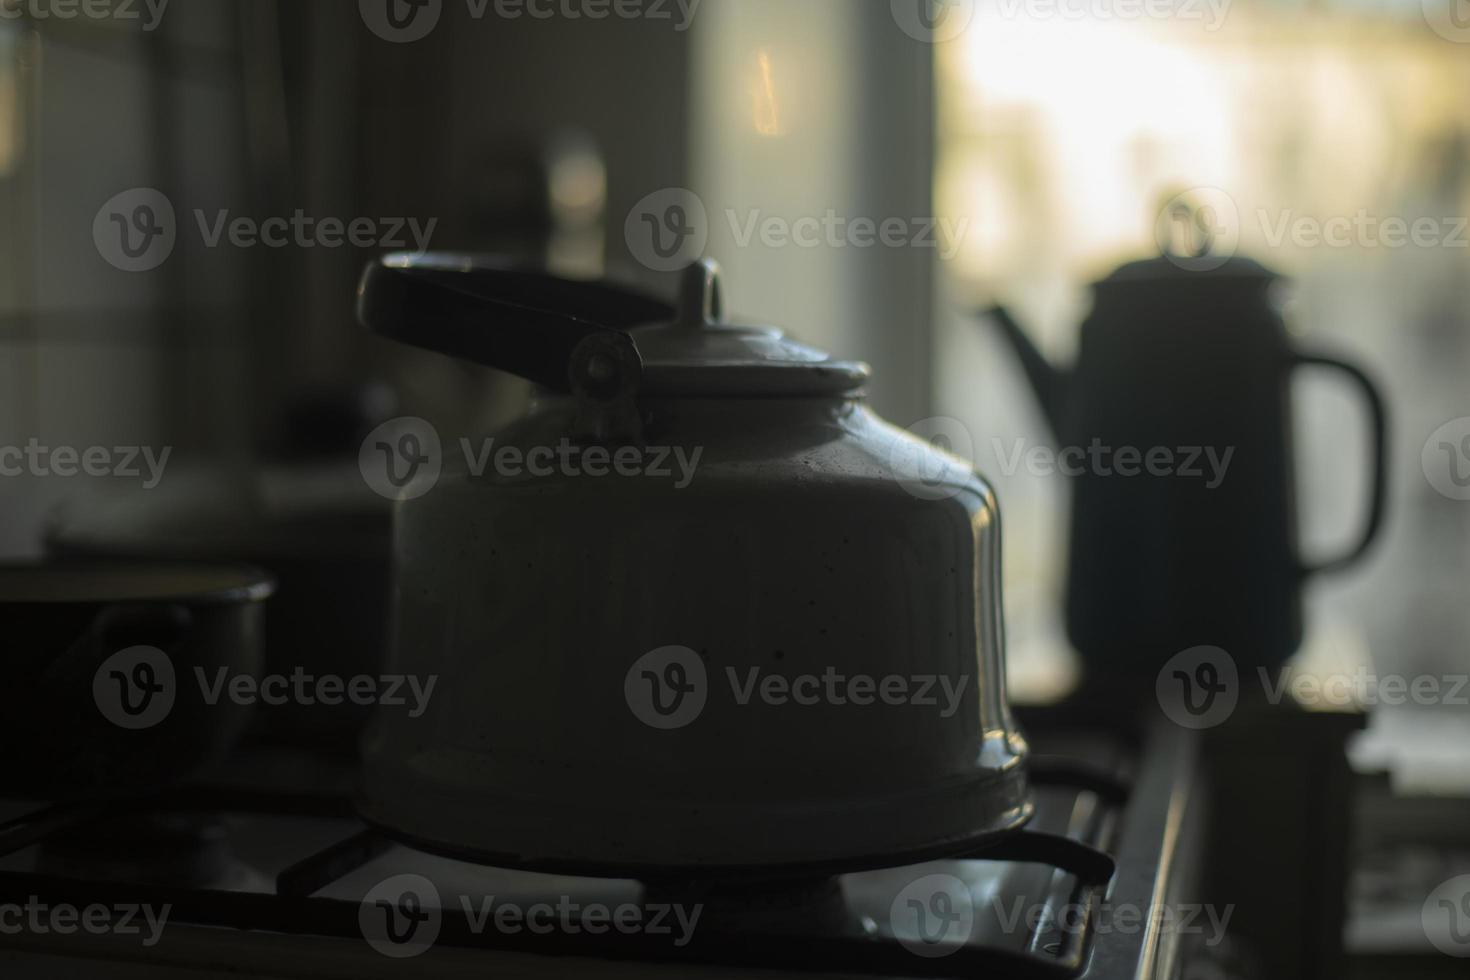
[1378,416]
[565,334]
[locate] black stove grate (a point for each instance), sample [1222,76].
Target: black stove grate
[1141,817]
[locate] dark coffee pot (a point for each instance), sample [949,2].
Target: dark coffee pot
[1176,424]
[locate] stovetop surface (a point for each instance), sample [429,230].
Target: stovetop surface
[282,880]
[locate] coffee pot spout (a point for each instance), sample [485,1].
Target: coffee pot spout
[1048,382]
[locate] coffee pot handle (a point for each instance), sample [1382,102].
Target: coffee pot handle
[1378,416]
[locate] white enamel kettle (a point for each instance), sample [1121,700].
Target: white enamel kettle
[791,656]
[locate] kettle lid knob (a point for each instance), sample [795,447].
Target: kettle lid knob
[701,303]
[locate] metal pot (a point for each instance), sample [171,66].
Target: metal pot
[319,532]
[611,651]
[102,697]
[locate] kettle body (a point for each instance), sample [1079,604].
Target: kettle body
[782,656]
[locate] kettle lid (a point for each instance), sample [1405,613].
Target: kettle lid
[592,338]
[698,352]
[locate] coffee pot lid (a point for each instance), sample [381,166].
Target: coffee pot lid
[1189,236]
[1169,267]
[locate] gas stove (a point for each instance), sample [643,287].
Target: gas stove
[279,878]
